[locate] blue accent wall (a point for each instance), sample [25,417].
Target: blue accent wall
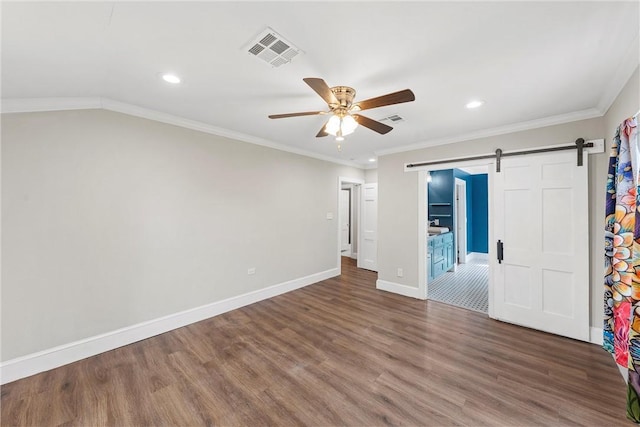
[480,210]
[441,197]
[442,190]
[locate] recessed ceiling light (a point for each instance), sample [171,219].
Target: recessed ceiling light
[474,104]
[171,78]
[372,160]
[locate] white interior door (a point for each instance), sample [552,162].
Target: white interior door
[540,216]
[461,220]
[345,218]
[368,246]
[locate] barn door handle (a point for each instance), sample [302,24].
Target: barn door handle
[500,251]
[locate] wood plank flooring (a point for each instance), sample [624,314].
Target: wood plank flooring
[335,353]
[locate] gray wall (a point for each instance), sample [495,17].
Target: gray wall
[625,105]
[370,176]
[110,220]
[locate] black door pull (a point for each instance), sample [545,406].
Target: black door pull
[500,252]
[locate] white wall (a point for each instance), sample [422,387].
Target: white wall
[110,220]
[398,197]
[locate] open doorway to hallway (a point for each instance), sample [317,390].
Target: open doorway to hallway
[349,193]
[457,241]
[350,217]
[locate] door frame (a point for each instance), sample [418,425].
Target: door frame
[356,193]
[423,223]
[461,249]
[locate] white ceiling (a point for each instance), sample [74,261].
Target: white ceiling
[532,62]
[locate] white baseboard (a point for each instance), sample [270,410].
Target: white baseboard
[397,288]
[41,361]
[354,255]
[595,335]
[478,256]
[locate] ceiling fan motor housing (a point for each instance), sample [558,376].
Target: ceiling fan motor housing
[344,95]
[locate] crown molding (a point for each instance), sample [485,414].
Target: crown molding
[27,105]
[30,105]
[134,110]
[33,105]
[500,130]
[627,66]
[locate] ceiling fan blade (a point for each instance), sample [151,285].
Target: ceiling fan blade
[322,89]
[307,113]
[323,131]
[374,125]
[388,99]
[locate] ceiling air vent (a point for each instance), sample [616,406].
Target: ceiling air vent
[394,118]
[272,48]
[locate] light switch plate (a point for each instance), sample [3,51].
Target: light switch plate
[329,215]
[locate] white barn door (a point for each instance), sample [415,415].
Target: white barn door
[541,219]
[368,245]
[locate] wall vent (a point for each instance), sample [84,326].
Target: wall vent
[393,118]
[272,48]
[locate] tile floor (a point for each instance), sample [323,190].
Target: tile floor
[467,287]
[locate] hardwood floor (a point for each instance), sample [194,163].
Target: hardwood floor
[335,353]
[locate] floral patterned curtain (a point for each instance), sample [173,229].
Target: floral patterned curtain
[622,260]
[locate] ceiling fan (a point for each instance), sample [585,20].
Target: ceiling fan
[344,118]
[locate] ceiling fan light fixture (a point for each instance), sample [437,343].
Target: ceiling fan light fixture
[348,125]
[341,126]
[333,125]
[343,120]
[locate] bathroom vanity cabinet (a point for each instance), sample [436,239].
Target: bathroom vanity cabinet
[441,254]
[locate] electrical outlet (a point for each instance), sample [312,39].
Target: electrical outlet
[251,271]
[400,272]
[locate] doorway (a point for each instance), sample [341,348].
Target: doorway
[457,204]
[346,221]
[349,229]
[537,277]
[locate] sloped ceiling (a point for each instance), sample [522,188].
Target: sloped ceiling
[533,63]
